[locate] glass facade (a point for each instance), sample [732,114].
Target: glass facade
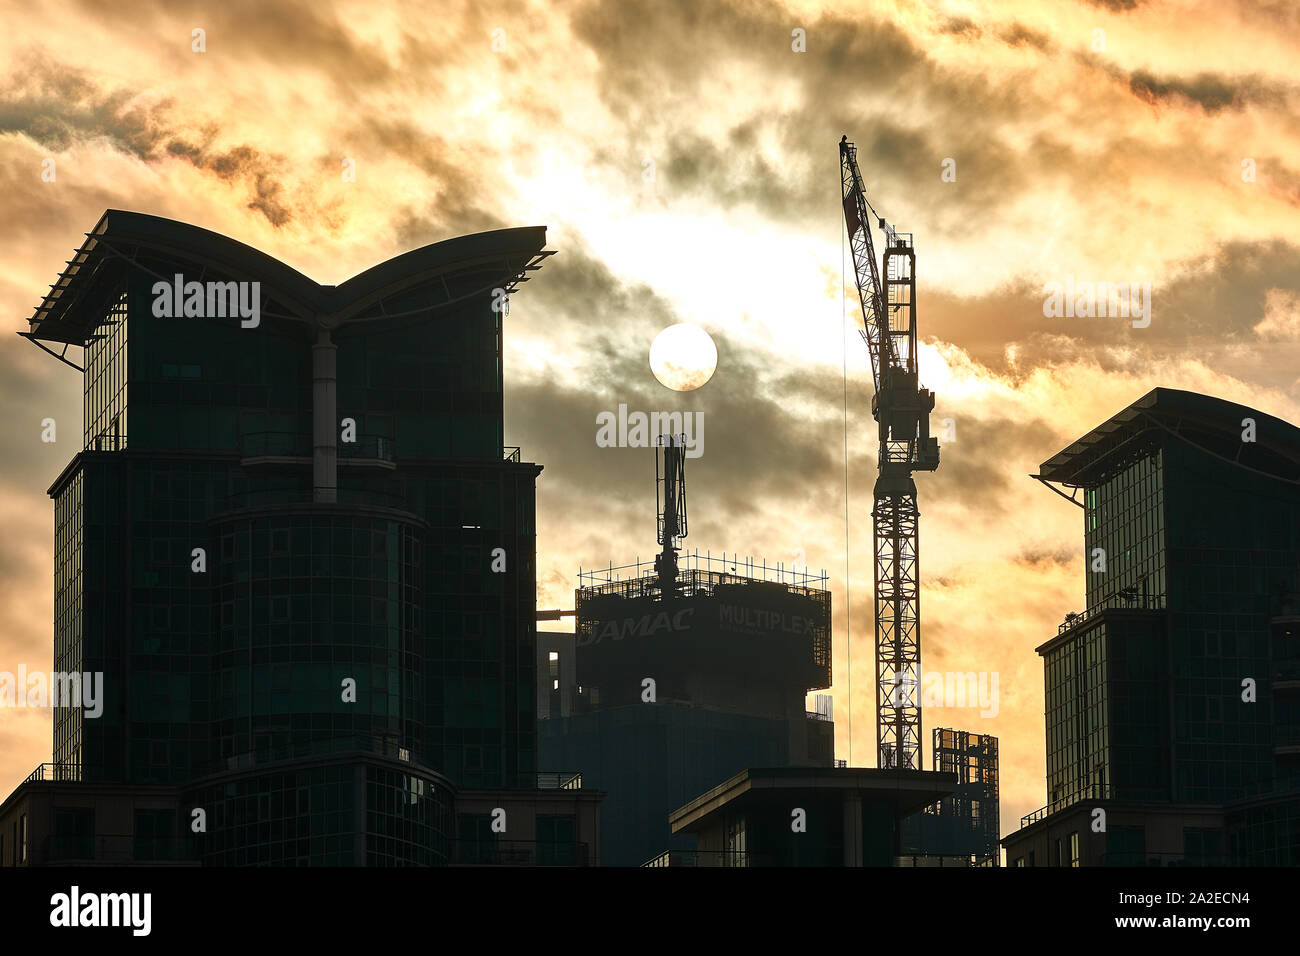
[230,612]
[1144,691]
[106,381]
[69,643]
[1124,519]
[1078,726]
[307,603]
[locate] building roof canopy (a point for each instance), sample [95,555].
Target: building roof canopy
[1209,423]
[72,309]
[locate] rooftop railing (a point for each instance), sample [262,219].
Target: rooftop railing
[741,569]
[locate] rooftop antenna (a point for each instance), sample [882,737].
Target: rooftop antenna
[670,499]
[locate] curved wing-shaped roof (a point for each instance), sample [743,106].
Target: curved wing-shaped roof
[1212,424]
[501,256]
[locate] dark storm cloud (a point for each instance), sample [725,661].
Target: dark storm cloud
[58,108]
[288,32]
[761,441]
[598,310]
[654,65]
[960,26]
[458,192]
[258,171]
[1019,35]
[1211,302]
[1117,6]
[1211,92]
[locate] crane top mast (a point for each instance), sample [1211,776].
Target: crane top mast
[900,406]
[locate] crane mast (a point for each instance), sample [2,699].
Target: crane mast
[901,409]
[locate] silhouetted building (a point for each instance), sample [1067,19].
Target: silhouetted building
[961,829]
[804,816]
[674,693]
[295,548]
[1172,700]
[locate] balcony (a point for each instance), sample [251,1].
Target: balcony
[1119,601]
[1031,818]
[559,780]
[55,772]
[386,746]
[294,450]
[699,858]
[1095,792]
[280,497]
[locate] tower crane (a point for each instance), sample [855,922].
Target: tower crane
[901,408]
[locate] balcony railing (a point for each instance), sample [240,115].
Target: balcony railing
[816,715]
[261,756]
[276,497]
[559,780]
[1116,602]
[48,772]
[1095,792]
[698,858]
[297,445]
[1031,818]
[511,453]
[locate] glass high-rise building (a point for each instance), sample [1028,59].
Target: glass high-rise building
[1172,699]
[294,545]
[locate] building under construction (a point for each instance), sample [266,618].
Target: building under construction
[961,829]
[682,673]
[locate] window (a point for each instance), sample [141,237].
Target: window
[74,834]
[155,835]
[737,844]
[22,839]
[1074,848]
[557,840]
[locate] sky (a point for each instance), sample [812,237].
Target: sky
[683,156]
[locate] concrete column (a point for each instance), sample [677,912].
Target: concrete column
[852,828]
[325,424]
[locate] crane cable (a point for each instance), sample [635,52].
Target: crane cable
[848,604]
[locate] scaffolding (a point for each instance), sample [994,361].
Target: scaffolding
[974,759]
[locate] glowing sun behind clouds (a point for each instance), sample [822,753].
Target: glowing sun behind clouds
[683,357]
